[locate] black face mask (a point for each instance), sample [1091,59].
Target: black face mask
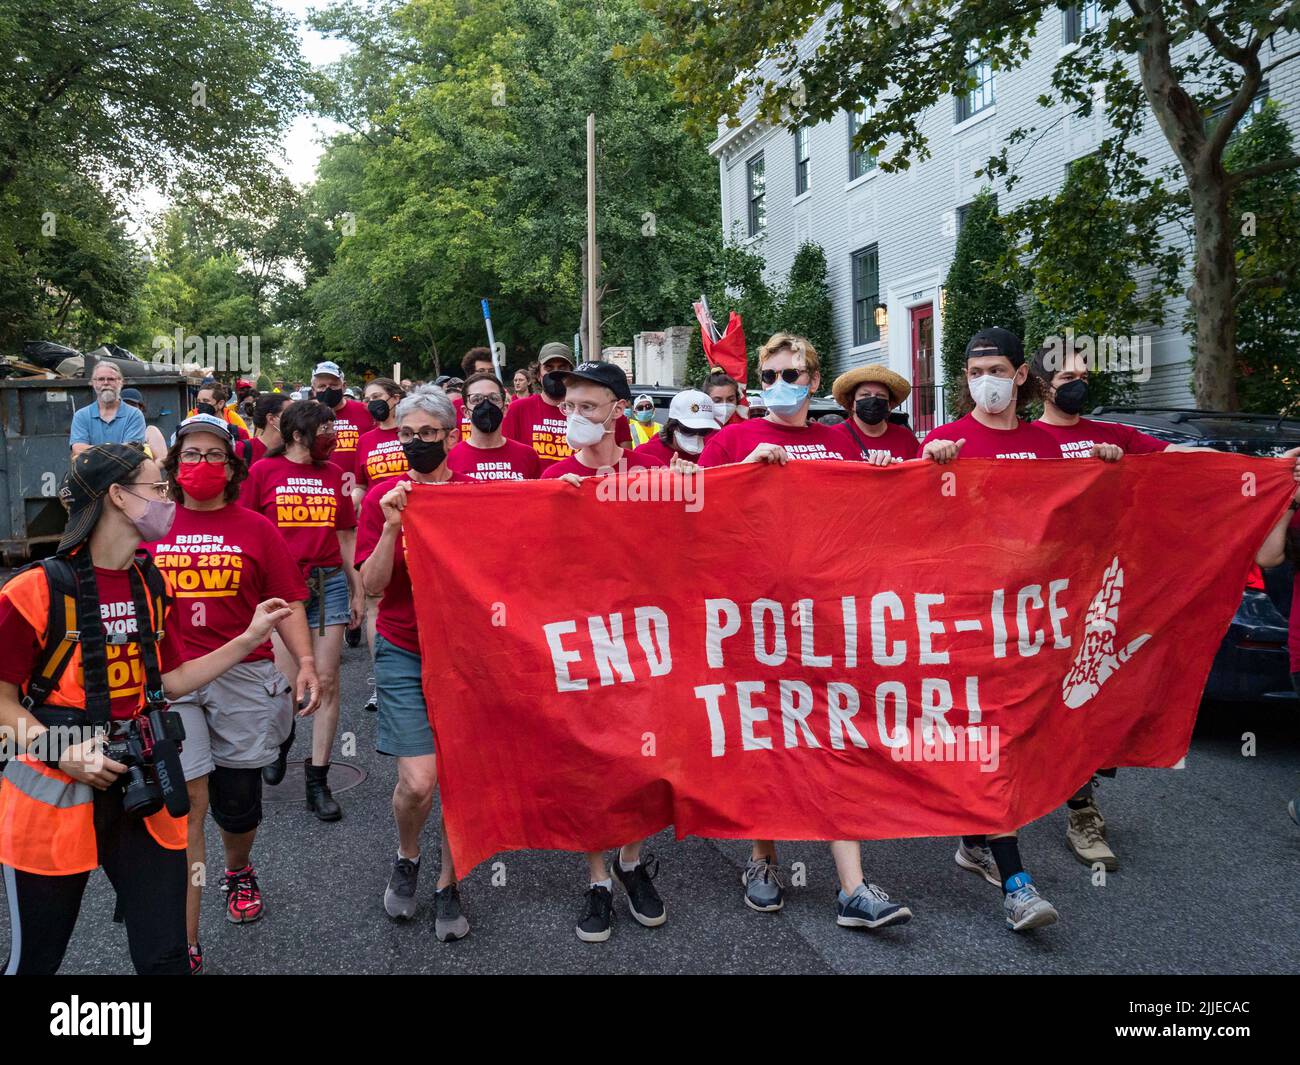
[425,456]
[331,397]
[872,409]
[553,384]
[378,409]
[1072,397]
[205,408]
[487,417]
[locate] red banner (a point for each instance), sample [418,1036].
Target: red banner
[906,651]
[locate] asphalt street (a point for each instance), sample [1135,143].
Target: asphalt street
[1207,884]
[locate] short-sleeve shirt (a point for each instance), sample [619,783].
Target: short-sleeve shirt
[512,461]
[734,443]
[898,440]
[350,421]
[306,502]
[535,423]
[219,565]
[88,427]
[24,617]
[1025,441]
[630,460]
[1076,441]
[657,449]
[379,457]
[395,621]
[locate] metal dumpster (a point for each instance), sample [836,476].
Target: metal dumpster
[35,420]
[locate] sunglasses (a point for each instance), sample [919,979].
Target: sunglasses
[789,375]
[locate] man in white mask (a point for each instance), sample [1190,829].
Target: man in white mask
[596,398]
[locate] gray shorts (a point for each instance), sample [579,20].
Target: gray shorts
[238,721]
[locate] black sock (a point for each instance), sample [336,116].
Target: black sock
[975,841]
[1080,798]
[1006,852]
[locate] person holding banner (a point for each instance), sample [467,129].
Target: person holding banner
[427,426]
[726,393]
[537,422]
[691,422]
[486,455]
[867,393]
[791,373]
[304,494]
[596,395]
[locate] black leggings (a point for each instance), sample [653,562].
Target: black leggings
[150,884]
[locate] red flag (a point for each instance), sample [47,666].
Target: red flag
[728,351]
[957,662]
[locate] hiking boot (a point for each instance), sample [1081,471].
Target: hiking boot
[320,800]
[1086,834]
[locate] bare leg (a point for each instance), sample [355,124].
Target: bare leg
[196,856]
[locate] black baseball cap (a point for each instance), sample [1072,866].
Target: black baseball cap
[1005,343]
[602,373]
[89,477]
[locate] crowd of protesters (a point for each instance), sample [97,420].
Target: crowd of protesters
[230,563]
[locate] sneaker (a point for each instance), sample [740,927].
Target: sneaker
[372,700]
[1025,907]
[869,907]
[196,959]
[762,886]
[1293,811]
[979,860]
[642,898]
[399,896]
[1086,834]
[597,911]
[449,920]
[243,896]
[353,636]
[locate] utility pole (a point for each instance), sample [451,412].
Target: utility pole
[592,339]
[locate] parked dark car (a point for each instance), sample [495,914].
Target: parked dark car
[1252,662]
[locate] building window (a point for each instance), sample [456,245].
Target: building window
[801,160]
[979,73]
[861,161]
[964,209]
[1078,19]
[756,184]
[866,294]
[1220,109]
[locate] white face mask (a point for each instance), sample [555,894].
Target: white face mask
[723,412]
[689,445]
[583,432]
[992,394]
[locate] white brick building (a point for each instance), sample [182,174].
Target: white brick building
[889,238]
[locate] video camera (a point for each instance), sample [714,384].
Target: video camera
[149,746]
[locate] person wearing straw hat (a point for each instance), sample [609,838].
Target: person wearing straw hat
[867,394]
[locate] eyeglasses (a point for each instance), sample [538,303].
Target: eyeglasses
[159,489]
[428,434]
[789,375]
[193,455]
[489,397]
[587,410]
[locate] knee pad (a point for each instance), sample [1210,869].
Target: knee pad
[235,798]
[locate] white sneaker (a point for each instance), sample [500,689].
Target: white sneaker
[1025,907]
[978,860]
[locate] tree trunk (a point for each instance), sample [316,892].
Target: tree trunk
[1214,376]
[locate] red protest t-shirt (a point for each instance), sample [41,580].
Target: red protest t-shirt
[306,502]
[24,616]
[734,443]
[379,456]
[897,439]
[1076,441]
[259,450]
[535,423]
[655,448]
[462,416]
[395,621]
[510,462]
[219,565]
[629,460]
[1025,441]
[350,421]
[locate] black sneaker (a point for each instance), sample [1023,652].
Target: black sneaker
[642,898]
[597,912]
[449,921]
[399,896]
[353,636]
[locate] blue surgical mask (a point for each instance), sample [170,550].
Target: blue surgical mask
[784,399]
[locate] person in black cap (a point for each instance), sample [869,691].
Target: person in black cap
[596,398]
[88,652]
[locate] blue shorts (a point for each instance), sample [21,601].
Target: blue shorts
[337,607]
[403,728]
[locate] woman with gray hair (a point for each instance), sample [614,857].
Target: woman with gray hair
[427,427]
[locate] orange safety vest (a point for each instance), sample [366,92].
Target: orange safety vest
[47,822]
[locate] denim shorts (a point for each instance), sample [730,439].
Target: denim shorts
[337,608]
[403,728]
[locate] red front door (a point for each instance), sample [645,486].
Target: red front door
[923,393]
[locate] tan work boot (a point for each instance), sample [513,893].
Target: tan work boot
[1086,835]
